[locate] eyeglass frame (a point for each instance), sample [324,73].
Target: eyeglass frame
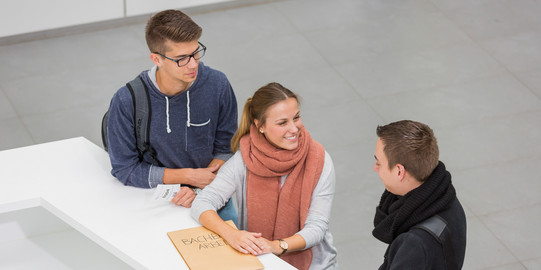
[201,48]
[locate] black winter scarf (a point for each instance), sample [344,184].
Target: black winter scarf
[397,214]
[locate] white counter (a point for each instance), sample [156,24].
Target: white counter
[71,179]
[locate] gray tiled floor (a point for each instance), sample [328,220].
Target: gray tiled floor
[470,69]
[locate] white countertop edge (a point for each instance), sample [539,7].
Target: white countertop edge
[92,236]
[6,207]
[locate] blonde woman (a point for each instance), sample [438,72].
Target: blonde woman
[283,181]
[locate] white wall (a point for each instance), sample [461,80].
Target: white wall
[140,7]
[27,16]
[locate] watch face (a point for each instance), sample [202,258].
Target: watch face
[283,244]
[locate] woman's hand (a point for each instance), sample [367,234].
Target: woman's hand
[184,197]
[247,242]
[272,246]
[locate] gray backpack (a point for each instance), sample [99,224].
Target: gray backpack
[141,119]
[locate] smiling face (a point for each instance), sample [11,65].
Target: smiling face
[282,124]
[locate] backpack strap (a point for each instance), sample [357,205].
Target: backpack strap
[437,227]
[141,117]
[104,123]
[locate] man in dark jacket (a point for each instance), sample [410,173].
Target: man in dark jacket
[418,187]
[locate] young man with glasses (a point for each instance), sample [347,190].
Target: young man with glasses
[193,112]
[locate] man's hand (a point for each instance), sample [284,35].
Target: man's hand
[215,162]
[194,177]
[184,197]
[202,177]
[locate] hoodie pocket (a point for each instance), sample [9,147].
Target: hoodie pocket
[198,135]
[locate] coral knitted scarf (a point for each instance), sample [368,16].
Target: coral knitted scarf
[279,212]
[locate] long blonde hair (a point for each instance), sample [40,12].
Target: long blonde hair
[256,108]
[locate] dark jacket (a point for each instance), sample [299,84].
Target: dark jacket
[417,249]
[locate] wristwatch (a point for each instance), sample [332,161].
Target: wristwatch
[283,245]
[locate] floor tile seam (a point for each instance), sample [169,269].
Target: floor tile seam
[504,210]
[512,73]
[348,146]
[443,46]
[503,116]
[357,93]
[69,70]
[10,103]
[479,45]
[350,240]
[509,35]
[18,116]
[339,104]
[538,95]
[503,65]
[505,264]
[411,51]
[356,190]
[507,210]
[454,10]
[531,259]
[521,113]
[328,63]
[497,163]
[492,119]
[303,34]
[356,23]
[437,86]
[441,88]
[77,107]
[500,241]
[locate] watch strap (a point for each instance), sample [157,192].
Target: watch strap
[284,249]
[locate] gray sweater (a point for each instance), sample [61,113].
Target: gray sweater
[231,179]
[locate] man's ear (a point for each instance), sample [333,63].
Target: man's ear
[155,59]
[400,171]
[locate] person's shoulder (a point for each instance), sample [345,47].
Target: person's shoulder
[122,95]
[410,251]
[237,157]
[212,74]
[124,91]
[415,239]
[328,156]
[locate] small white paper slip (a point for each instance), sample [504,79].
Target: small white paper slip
[165,192]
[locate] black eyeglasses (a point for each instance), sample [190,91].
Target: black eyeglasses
[186,59]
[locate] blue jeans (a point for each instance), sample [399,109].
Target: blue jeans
[229,212]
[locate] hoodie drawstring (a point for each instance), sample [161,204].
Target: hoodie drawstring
[188,108]
[167,113]
[188,123]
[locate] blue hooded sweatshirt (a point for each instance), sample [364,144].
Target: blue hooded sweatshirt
[187,130]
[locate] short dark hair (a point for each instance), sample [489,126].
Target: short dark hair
[411,144]
[171,25]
